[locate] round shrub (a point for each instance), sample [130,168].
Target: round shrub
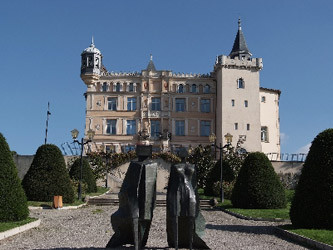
[13,202]
[214,176]
[257,185]
[48,176]
[87,174]
[312,205]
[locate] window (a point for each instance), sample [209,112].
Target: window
[240,83]
[128,148]
[194,88]
[264,134]
[246,103]
[204,128]
[112,103]
[180,88]
[131,127]
[233,102]
[248,126]
[156,103]
[118,87]
[180,128]
[155,128]
[180,104]
[105,87]
[131,103]
[205,105]
[131,87]
[236,126]
[111,127]
[263,99]
[206,89]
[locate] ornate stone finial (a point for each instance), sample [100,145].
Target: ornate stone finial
[239,24]
[151,57]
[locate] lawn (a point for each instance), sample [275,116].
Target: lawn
[282,213]
[4,226]
[48,204]
[321,235]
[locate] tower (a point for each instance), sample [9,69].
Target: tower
[237,95]
[91,63]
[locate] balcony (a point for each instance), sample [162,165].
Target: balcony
[155,114]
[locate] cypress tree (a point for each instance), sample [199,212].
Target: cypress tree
[312,205]
[87,174]
[13,202]
[48,176]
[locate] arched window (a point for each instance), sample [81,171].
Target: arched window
[206,89]
[194,88]
[240,83]
[180,88]
[118,87]
[105,87]
[131,87]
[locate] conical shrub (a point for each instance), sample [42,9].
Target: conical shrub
[257,185]
[13,202]
[312,205]
[48,176]
[87,174]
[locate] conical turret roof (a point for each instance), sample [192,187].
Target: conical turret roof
[151,66]
[240,48]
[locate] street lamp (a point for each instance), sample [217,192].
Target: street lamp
[90,134]
[212,139]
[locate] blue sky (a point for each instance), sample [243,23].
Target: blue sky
[41,42]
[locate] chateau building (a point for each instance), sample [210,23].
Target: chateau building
[169,110]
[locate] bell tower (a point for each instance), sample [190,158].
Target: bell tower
[91,63]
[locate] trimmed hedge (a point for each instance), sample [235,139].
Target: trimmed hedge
[257,185]
[214,177]
[48,176]
[87,174]
[13,202]
[312,205]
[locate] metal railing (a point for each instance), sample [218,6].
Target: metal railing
[297,157]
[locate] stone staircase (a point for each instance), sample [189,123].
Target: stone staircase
[111,199]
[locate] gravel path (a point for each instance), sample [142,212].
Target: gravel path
[89,228]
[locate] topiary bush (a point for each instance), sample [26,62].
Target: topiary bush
[257,185]
[312,205]
[48,176]
[87,175]
[13,202]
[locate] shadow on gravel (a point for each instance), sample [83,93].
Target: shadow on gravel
[98,248]
[243,229]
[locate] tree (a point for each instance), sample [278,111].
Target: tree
[312,205]
[202,158]
[233,159]
[87,174]
[257,185]
[48,176]
[13,202]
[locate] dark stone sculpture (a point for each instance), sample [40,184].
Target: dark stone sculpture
[185,223]
[131,222]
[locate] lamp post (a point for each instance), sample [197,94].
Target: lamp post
[90,134]
[212,139]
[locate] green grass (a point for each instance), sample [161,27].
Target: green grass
[321,235]
[4,226]
[282,213]
[48,204]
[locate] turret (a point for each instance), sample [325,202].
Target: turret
[91,63]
